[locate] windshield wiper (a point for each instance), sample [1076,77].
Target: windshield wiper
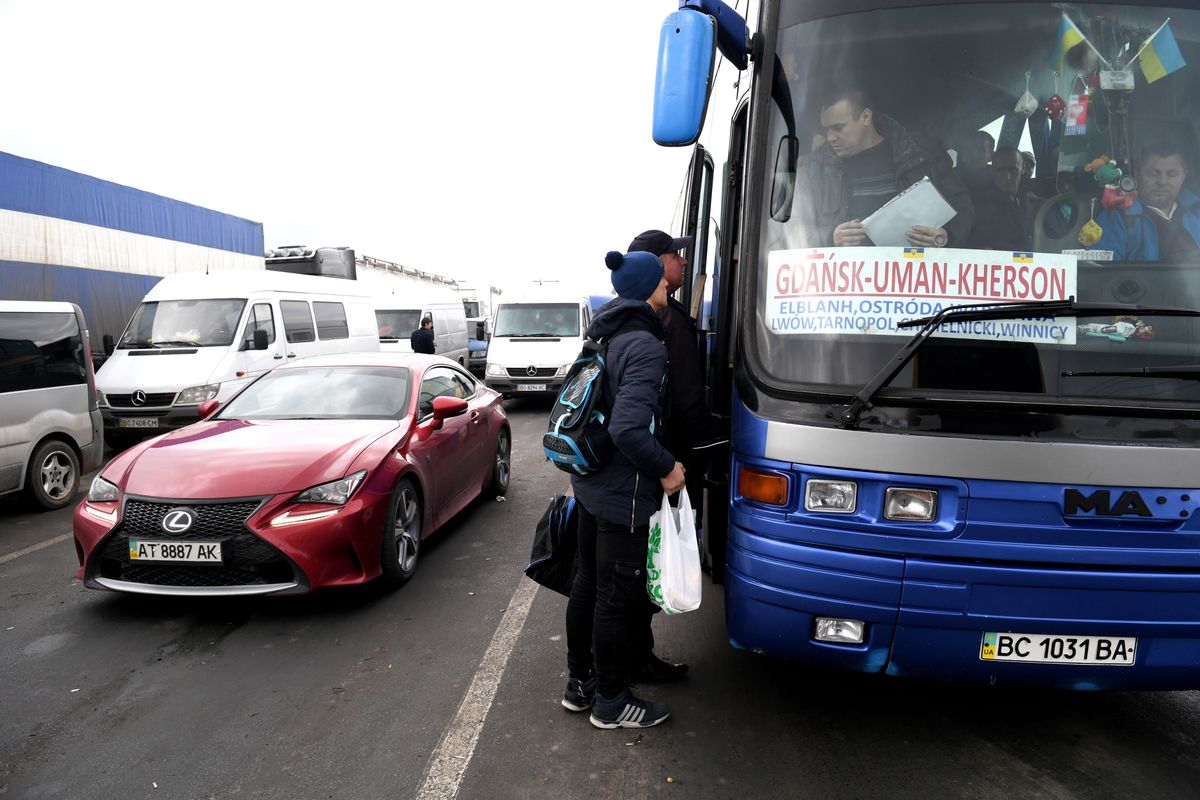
[531,335]
[173,343]
[849,415]
[133,343]
[1181,371]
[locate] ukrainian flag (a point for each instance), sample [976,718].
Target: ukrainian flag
[1069,35]
[1022,258]
[1160,56]
[914,252]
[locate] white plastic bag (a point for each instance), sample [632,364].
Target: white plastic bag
[673,557]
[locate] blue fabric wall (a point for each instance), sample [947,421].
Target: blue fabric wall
[107,298]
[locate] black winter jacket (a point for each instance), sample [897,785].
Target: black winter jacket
[423,341]
[626,490]
[825,187]
[686,418]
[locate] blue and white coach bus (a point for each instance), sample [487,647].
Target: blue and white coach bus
[965,428]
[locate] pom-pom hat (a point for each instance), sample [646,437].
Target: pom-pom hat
[635,276]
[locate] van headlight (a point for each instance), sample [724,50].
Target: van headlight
[496,371]
[562,371]
[195,395]
[102,491]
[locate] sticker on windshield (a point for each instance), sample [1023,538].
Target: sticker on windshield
[868,290]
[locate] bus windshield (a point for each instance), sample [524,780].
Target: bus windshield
[537,319]
[983,153]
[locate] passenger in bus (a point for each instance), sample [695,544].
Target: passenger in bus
[1163,224]
[615,503]
[866,160]
[422,338]
[974,159]
[1000,215]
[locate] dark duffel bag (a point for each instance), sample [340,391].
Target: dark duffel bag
[555,543]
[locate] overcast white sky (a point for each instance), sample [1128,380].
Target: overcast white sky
[476,139]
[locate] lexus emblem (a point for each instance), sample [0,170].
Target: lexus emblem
[138,398]
[531,371]
[178,520]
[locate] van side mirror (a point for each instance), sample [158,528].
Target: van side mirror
[207,408]
[783,183]
[260,339]
[687,49]
[109,345]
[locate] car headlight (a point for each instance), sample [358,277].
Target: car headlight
[194,395]
[496,371]
[102,491]
[335,492]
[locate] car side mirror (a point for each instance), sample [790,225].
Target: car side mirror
[260,339]
[109,345]
[207,408]
[446,407]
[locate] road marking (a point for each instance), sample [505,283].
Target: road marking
[450,759]
[34,548]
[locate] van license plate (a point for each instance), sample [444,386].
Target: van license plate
[531,387]
[1039,648]
[188,552]
[137,422]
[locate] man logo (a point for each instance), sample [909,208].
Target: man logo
[138,398]
[531,371]
[178,520]
[1101,503]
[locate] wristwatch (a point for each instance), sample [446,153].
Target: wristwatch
[939,240]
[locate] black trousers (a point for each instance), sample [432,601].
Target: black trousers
[607,614]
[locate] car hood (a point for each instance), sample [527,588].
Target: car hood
[238,458]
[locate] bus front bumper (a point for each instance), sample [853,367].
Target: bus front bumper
[927,618]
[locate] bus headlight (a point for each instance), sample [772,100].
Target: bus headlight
[831,497]
[194,395]
[910,505]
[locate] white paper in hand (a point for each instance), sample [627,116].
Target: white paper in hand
[919,204]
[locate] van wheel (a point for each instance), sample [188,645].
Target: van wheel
[401,536]
[53,475]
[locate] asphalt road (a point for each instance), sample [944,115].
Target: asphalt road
[453,682]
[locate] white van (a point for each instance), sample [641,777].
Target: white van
[399,311]
[50,427]
[535,339]
[199,337]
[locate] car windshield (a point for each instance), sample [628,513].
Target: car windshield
[324,393]
[398,323]
[1041,157]
[197,323]
[537,319]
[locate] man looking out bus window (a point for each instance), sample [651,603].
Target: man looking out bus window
[999,209]
[867,158]
[1163,224]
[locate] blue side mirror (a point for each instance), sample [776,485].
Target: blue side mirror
[687,49]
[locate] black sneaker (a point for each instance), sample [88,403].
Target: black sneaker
[627,711]
[579,695]
[655,670]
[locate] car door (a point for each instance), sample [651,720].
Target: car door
[449,451]
[481,442]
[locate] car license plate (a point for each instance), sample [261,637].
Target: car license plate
[531,387]
[1042,649]
[137,422]
[188,552]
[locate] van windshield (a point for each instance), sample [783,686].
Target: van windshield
[191,323]
[397,323]
[537,319]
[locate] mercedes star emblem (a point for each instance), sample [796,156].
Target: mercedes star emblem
[531,371]
[138,398]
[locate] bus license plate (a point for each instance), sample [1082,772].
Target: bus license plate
[187,552]
[1042,649]
[531,387]
[137,422]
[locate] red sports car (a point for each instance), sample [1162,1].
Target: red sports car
[327,472]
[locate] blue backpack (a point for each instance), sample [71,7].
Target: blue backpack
[577,440]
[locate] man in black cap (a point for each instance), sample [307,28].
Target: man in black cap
[688,425]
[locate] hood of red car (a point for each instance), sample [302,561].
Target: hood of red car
[238,458]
